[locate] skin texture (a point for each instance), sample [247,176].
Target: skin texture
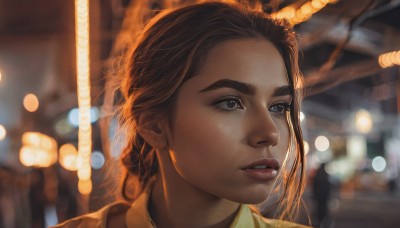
[215,133]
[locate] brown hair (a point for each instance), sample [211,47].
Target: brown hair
[171,50]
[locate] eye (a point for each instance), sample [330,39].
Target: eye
[279,108]
[229,104]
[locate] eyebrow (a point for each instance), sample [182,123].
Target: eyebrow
[227,83]
[282,91]
[245,87]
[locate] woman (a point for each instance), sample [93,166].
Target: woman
[211,110]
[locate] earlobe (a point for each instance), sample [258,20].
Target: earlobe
[154,134]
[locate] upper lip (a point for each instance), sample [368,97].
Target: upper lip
[269,162]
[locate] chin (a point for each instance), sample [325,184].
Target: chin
[252,197]
[257,200]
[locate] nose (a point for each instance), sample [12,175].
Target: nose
[264,132]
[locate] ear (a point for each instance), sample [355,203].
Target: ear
[154,133]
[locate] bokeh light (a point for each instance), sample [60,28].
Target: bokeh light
[389,59]
[94,114]
[302,116]
[322,143]
[379,164]
[3,132]
[27,156]
[73,116]
[306,147]
[323,156]
[83,87]
[31,102]
[84,186]
[303,13]
[38,150]
[363,121]
[97,160]
[31,138]
[68,157]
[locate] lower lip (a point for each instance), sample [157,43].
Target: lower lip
[261,174]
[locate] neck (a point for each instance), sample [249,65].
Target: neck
[176,203]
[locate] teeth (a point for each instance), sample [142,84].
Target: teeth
[260,167]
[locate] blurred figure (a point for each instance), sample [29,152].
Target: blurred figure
[392,185]
[321,194]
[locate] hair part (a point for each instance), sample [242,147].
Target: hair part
[171,49]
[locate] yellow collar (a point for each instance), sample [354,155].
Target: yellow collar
[138,215]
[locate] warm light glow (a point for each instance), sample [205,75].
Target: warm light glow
[363,121]
[31,102]
[68,157]
[389,59]
[3,132]
[356,147]
[83,82]
[27,156]
[306,9]
[303,13]
[43,158]
[316,4]
[85,186]
[38,150]
[287,13]
[84,172]
[31,138]
[31,156]
[302,116]
[306,147]
[322,143]
[0,76]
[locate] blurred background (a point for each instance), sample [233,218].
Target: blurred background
[349,55]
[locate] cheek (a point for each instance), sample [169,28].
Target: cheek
[284,136]
[201,139]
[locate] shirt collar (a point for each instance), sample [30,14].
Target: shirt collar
[243,217]
[138,215]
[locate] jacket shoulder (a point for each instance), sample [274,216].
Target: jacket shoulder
[79,222]
[96,219]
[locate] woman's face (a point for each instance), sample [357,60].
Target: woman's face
[229,134]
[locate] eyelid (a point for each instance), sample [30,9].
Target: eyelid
[229,97]
[285,105]
[238,99]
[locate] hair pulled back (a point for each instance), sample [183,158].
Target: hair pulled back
[170,50]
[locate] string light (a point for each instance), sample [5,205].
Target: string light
[83,81]
[389,59]
[85,186]
[303,13]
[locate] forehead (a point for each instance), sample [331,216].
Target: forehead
[254,61]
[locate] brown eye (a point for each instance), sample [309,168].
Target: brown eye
[230,104]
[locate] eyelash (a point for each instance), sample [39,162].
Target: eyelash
[239,105]
[234,99]
[286,107]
